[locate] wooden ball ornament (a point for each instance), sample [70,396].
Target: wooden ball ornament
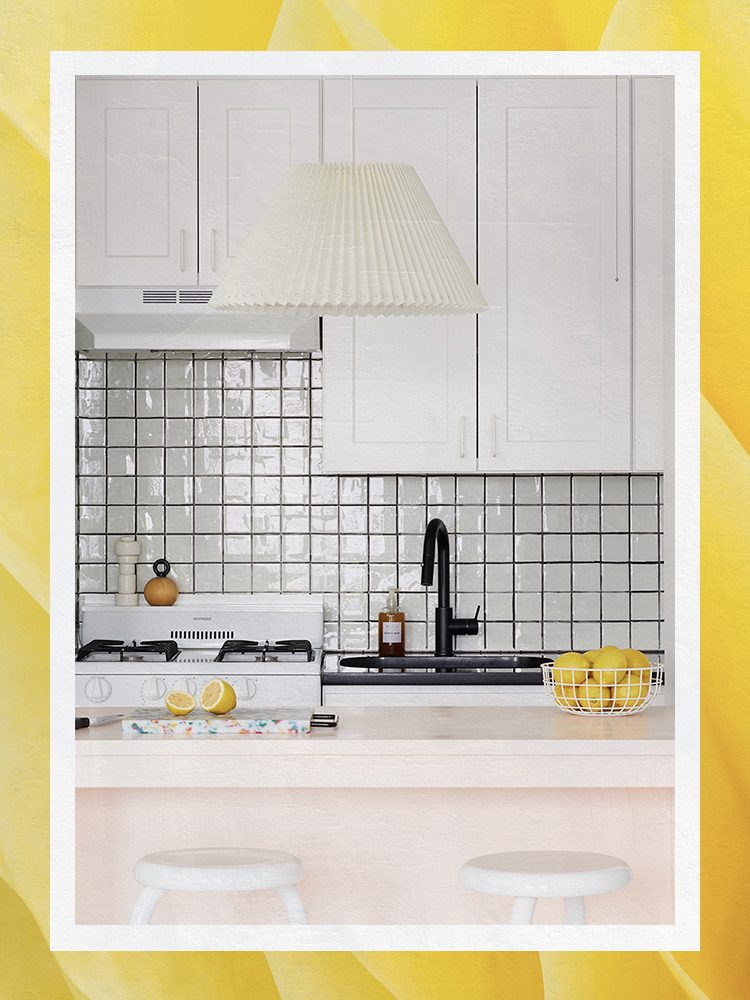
[161,590]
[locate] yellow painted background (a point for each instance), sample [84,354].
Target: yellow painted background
[29,30]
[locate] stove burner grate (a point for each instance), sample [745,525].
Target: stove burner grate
[282,646]
[118,650]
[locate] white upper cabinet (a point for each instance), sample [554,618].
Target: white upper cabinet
[653,267]
[400,392]
[136,182]
[143,217]
[554,264]
[251,133]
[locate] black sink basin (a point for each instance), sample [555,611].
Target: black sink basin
[460,662]
[461,669]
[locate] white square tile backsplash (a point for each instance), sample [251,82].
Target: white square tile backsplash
[216,462]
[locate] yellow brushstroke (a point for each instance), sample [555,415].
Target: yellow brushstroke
[681,977]
[446,975]
[720,31]
[169,975]
[24,372]
[27,969]
[324,25]
[24,750]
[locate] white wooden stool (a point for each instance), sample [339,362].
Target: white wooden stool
[218,870]
[528,875]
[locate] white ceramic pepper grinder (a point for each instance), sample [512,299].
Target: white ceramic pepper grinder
[127,550]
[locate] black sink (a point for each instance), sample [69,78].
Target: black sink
[482,668]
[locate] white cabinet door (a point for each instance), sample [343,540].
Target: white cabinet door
[251,133]
[400,393]
[554,264]
[136,182]
[653,265]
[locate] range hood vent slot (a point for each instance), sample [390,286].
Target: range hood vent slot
[159,295]
[170,296]
[196,295]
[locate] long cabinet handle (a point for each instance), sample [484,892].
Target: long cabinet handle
[463,437]
[213,249]
[494,435]
[182,249]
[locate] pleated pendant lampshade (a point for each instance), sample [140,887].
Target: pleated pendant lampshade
[350,240]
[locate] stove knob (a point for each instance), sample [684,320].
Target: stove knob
[97,689]
[244,688]
[185,684]
[153,689]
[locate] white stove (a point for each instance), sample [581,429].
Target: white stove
[267,647]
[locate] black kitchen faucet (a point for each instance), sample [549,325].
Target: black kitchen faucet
[446,626]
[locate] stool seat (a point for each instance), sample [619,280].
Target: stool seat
[218,870]
[529,875]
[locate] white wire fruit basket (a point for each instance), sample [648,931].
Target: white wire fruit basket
[635,693]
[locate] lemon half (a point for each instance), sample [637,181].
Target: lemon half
[180,702]
[218,697]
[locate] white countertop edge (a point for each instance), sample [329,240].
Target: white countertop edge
[305,746]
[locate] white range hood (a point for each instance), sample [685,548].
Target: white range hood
[180,319]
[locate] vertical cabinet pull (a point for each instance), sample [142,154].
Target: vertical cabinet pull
[463,437]
[494,436]
[182,249]
[213,249]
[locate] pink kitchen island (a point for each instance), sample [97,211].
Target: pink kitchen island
[383,810]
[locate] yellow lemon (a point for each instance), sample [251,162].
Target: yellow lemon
[218,697]
[606,649]
[609,667]
[593,696]
[591,654]
[632,689]
[180,702]
[636,659]
[566,695]
[570,668]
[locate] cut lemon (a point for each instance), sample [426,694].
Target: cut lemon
[180,702]
[218,697]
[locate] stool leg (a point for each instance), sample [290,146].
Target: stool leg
[144,905]
[575,910]
[523,910]
[295,908]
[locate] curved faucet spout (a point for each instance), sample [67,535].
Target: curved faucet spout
[446,626]
[437,532]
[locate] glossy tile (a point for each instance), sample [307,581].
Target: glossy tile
[218,461]
[499,489]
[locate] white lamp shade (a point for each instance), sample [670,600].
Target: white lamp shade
[350,240]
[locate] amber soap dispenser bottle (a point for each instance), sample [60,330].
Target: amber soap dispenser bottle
[391,628]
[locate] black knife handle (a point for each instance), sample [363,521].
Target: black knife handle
[82,723]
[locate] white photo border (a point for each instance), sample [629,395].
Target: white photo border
[684,934]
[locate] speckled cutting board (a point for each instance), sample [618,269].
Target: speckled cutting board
[198,722]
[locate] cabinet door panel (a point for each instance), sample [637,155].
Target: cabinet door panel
[554,264]
[251,133]
[400,393]
[136,182]
[653,257]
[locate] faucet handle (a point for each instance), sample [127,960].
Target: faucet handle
[476,613]
[465,626]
